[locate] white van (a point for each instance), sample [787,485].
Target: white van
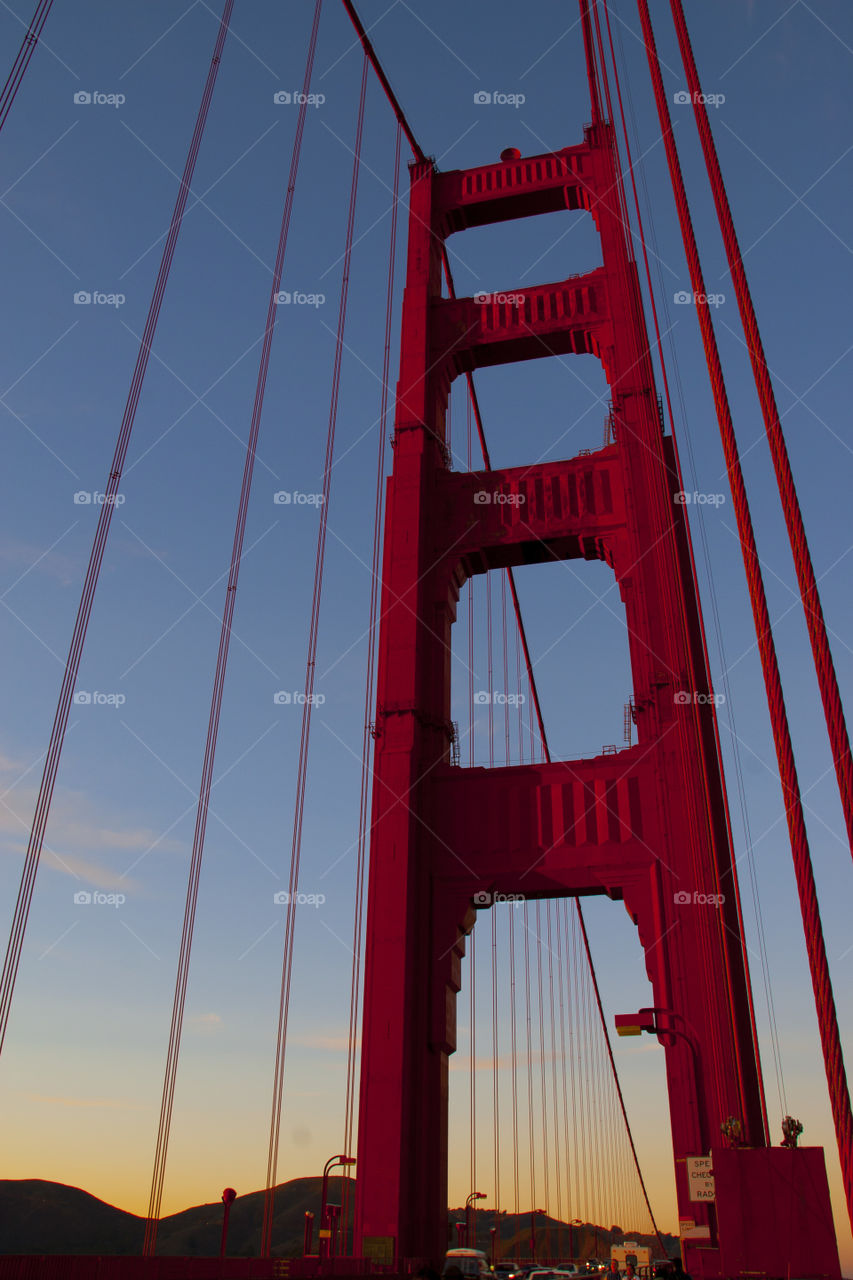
[468,1263]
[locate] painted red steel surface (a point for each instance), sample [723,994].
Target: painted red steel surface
[648,825]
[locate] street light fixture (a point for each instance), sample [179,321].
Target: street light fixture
[325,1234]
[229,1195]
[475,1195]
[575,1222]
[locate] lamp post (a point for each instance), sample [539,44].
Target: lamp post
[475,1195]
[309,1233]
[493,1231]
[575,1222]
[229,1195]
[533,1213]
[324,1234]
[634,1024]
[333,1212]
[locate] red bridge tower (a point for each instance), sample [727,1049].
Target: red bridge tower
[648,825]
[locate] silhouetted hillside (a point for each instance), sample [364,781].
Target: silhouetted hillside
[49,1217]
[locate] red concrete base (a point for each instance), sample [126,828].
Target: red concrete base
[774,1218]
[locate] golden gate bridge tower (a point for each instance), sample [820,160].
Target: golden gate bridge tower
[648,826]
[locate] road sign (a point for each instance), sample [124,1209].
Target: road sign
[700,1178]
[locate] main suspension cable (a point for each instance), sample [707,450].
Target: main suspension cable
[819,966]
[22,61]
[809,594]
[84,611]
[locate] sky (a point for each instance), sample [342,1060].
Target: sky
[87,192]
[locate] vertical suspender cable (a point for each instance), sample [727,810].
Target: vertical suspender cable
[310,668]
[529,1046]
[96,556]
[514,1061]
[22,61]
[827,680]
[555,1102]
[543,1090]
[824,999]
[369,691]
[179,1001]
[496,1077]
[616,1076]
[472,969]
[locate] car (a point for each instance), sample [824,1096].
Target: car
[470,1264]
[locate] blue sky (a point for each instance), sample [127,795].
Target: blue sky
[87,191]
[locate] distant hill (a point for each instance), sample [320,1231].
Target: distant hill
[51,1218]
[554,1239]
